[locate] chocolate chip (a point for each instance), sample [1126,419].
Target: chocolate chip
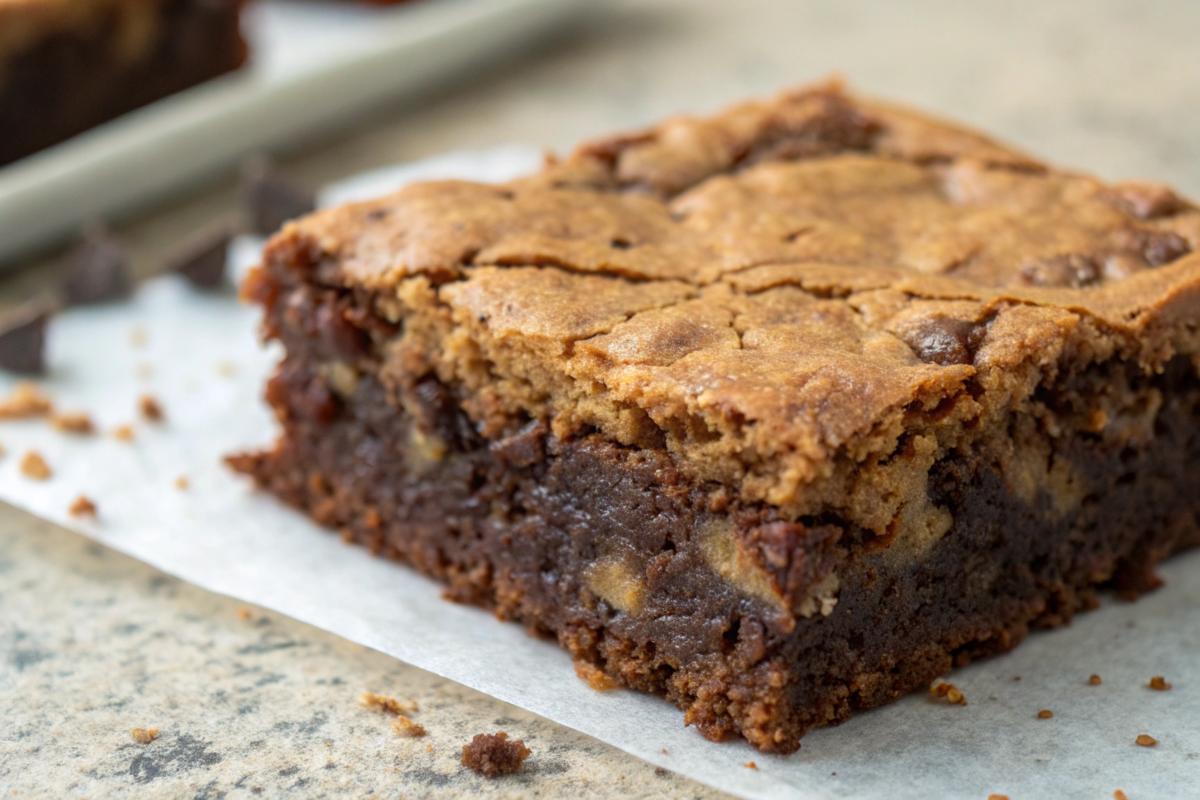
[201,259]
[1154,247]
[23,339]
[97,269]
[946,341]
[525,448]
[1147,200]
[1068,270]
[270,199]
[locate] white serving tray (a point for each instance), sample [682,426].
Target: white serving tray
[315,65]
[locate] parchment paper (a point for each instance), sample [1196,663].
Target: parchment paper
[201,358]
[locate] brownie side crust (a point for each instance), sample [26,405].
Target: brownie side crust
[780,414]
[76,78]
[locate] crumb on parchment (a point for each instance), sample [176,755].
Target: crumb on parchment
[388,704]
[949,692]
[1159,684]
[74,422]
[1145,740]
[25,401]
[145,735]
[1119,795]
[997,797]
[1045,713]
[34,466]
[123,433]
[1094,680]
[82,507]
[182,483]
[151,409]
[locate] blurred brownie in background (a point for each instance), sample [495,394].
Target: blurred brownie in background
[69,65]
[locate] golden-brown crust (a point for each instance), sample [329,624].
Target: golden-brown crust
[772,293]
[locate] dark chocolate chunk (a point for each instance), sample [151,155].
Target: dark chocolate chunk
[946,341]
[271,199]
[1147,200]
[202,258]
[97,269]
[23,339]
[1068,270]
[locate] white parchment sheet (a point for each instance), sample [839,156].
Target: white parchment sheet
[200,356]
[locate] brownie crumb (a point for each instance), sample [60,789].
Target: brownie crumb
[1045,713]
[26,401]
[78,422]
[123,433]
[403,726]
[997,797]
[201,259]
[97,269]
[151,409]
[182,483]
[949,692]
[1159,684]
[34,466]
[1119,795]
[492,754]
[137,336]
[595,677]
[82,507]
[271,199]
[750,765]
[388,704]
[1146,741]
[23,339]
[145,735]
[1095,680]
[244,613]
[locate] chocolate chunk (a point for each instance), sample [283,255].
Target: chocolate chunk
[1154,247]
[1069,270]
[946,341]
[97,269]
[1147,200]
[201,258]
[23,339]
[271,199]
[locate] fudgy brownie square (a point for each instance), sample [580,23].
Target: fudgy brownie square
[781,413]
[69,65]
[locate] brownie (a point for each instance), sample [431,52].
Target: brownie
[781,413]
[69,65]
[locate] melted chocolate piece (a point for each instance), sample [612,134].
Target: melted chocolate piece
[202,259]
[97,271]
[271,199]
[23,339]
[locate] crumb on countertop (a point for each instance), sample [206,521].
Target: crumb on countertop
[82,507]
[74,422]
[123,433]
[403,726]
[25,401]
[388,704]
[1159,684]
[949,692]
[151,409]
[595,677]
[1045,713]
[493,754]
[1145,740]
[145,735]
[1094,680]
[34,466]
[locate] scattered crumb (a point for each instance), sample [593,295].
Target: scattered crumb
[145,735]
[26,401]
[137,336]
[950,692]
[182,483]
[151,409]
[82,507]
[34,466]
[1119,795]
[492,754]
[664,751]
[428,748]
[1045,714]
[1146,741]
[389,704]
[77,422]
[1095,680]
[1159,684]
[595,677]
[997,797]
[244,613]
[1016,677]
[144,371]
[124,433]
[227,369]
[403,726]
[660,772]
[750,765]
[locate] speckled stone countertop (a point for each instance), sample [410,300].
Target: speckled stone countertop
[248,703]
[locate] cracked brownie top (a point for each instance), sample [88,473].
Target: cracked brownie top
[805,301]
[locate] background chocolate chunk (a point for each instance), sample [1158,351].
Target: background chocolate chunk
[271,199]
[202,258]
[23,339]
[97,269]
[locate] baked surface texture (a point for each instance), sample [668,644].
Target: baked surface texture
[69,65]
[780,413]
